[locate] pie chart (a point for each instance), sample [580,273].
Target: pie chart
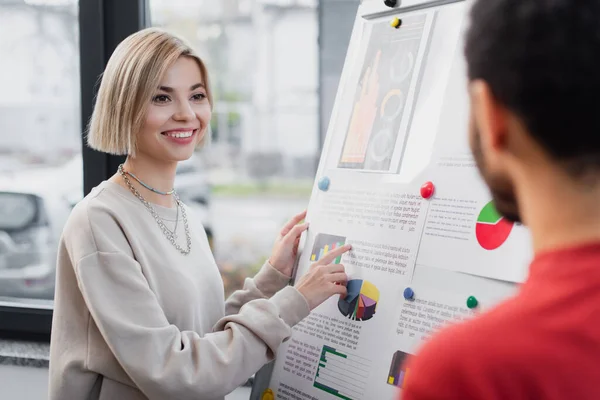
[360,303]
[492,229]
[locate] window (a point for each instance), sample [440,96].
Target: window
[262,57]
[40,142]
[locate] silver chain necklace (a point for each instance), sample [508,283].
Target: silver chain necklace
[171,236]
[174,231]
[148,186]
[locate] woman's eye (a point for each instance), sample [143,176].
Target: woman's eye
[161,98]
[199,96]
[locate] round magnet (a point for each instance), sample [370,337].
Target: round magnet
[472,302]
[390,3]
[324,184]
[396,22]
[268,395]
[409,294]
[427,190]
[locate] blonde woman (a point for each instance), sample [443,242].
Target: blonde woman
[139,306]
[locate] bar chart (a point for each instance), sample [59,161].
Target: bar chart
[342,374]
[398,371]
[325,243]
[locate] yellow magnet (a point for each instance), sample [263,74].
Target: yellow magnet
[268,395]
[396,22]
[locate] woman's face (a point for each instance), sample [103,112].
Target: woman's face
[178,116]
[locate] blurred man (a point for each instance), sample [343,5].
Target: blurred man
[534,85]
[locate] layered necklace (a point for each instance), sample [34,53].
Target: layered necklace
[170,235]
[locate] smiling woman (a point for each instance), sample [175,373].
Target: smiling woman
[180,114]
[139,306]
[188,100]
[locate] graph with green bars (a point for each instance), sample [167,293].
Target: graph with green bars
[342,374]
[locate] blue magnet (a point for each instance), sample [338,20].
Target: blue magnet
[324,183]
[409,294]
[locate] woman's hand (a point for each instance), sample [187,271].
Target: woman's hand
[323,280]
[286,246]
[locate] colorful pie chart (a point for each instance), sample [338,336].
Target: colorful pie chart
[492,229]
[360,303]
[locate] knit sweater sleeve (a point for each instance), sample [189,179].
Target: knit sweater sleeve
[162,360]
[264,285]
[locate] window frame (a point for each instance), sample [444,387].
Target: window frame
[103,24]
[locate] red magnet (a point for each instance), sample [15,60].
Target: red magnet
[427,190]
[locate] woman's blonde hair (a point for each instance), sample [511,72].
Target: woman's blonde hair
[129,82]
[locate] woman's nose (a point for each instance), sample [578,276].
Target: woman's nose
[184,112]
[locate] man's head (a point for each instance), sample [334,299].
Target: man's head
[534,72]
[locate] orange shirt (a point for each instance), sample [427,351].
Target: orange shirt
[544,343]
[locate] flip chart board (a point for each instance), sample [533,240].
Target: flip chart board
[400,121]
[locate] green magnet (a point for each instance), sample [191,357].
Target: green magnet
[472,302]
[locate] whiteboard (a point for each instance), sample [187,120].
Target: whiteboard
[399,122]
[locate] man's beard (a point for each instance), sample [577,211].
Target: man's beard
[501,188]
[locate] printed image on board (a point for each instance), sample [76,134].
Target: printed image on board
[398,371]
[342,374]
[360,303]
[325,243]
[492,230]
[384,97]
[464,232]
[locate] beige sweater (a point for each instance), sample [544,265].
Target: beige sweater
[136,319]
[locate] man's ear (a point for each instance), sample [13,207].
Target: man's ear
[489,116]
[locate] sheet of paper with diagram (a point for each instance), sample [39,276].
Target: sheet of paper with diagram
[429,247]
